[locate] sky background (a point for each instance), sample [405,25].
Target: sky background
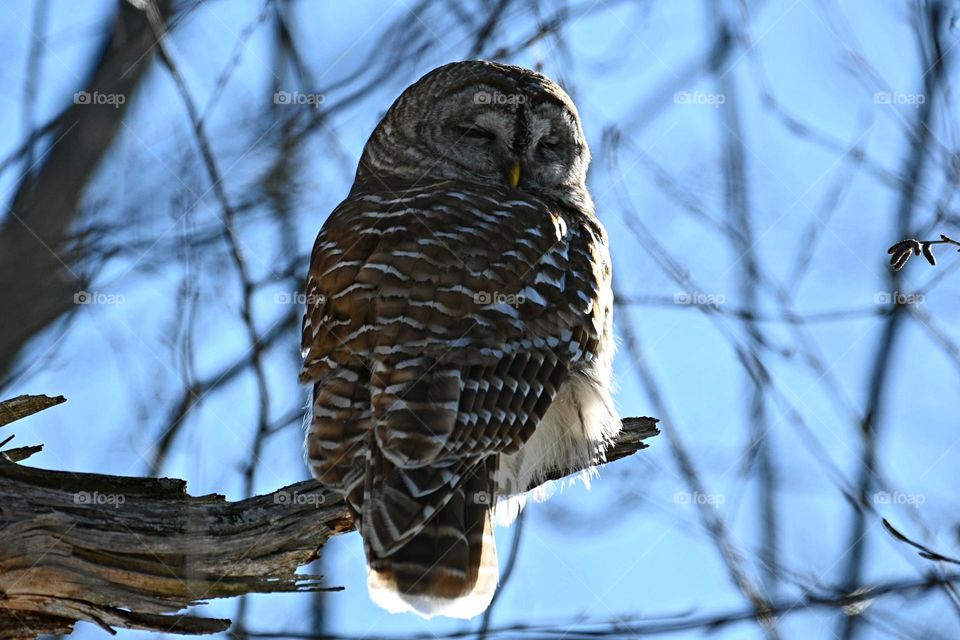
[820,98]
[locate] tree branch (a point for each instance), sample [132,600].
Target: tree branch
[633,627]
[39,272]
[135,552]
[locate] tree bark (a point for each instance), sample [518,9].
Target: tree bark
[135,552]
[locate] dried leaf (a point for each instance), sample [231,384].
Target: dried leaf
[909,244]
[900,258]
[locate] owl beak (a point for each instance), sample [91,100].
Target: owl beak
[513,174]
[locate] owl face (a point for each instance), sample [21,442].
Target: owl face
[483,123]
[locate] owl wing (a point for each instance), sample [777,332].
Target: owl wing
[445,322]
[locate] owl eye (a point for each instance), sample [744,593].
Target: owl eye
[549,143]
[473,134]
[548,148]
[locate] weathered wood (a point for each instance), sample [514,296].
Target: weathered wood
[20,407]
[23,406]
[135,552]
[19,454]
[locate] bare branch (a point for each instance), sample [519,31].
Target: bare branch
[38,264]
[632,627]
[23,406]
[134,552]
[924,551]
[931,21]
[900,252]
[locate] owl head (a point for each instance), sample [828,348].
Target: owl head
[482,123]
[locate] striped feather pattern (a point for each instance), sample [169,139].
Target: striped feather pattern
[443,323]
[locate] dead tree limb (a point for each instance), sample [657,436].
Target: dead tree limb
[135,552]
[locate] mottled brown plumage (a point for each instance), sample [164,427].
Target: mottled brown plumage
[448,312]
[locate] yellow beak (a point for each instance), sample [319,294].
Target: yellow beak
[513,174]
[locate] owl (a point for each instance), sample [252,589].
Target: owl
[458,337]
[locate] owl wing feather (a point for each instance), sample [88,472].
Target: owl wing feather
[442,324]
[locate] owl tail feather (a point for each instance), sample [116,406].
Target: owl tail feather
[449,566]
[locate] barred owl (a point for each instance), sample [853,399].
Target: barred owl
[458,335]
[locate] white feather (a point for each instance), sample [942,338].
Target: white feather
[575,431]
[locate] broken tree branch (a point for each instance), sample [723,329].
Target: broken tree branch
[135,552]
[23,406]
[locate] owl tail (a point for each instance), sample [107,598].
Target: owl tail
[443,558]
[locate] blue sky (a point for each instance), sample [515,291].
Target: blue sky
[633,545]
